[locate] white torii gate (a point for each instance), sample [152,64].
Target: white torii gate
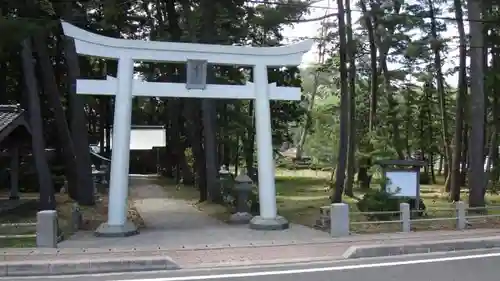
[197,56]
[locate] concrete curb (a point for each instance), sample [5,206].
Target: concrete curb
[87,266]
[371,251]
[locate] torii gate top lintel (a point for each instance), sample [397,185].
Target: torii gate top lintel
[91,44]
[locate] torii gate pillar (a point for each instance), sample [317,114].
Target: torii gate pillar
[268,219]
[125,87]
[117,224]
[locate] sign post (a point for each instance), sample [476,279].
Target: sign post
[402,178]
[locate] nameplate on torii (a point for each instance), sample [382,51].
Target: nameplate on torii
[167,89]
[196,74]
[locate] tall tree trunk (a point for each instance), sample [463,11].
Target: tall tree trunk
[185,170]
[457,164]
[209,109]
[78,133]
[440,166]
[349,181]
[436,46]
[307,123]
[344,109]
[465,155]
[392,103]
[477,103]
[496,114]
[408,122]
[488,162]
[249,144]
[192,112]
[384,44]
[365,162]
[174,109]
[427,121]
[47,197]
[225,155]
[209,116]
[373,65]
[51,91]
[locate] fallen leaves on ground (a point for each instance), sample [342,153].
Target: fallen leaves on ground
[92,216]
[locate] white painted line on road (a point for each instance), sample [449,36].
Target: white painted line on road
[313,270]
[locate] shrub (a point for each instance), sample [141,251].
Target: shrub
[378,200]
[413,206]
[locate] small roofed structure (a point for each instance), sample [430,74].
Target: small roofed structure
[15,137]
[12,118]
[13,128]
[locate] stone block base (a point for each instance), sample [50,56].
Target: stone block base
[277,223]
[240,218]
[106,230]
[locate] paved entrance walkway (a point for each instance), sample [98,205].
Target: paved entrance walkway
[176,224]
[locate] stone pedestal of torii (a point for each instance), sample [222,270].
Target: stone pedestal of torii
[197,57]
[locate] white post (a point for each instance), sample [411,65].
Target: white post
[460,211]
[46,229]
[339,220]
[117,224]
[404,215]
[268,219]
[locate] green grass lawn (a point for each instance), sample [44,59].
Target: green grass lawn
[301,193]
[18,243]
[23,215]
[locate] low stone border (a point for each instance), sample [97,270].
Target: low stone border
[86,266]
[323,223]
[371,251]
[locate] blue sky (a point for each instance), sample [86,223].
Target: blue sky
[311,29]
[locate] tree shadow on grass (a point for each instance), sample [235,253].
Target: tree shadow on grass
[299,199]
[301,186]
[304,211]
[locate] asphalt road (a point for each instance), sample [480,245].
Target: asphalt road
[458,266]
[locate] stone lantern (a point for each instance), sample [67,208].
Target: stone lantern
[243,187]
[105,173]
[225,181]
